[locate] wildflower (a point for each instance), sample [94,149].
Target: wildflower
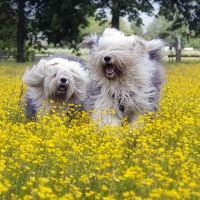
[57,157]
[126,194]
[104,187]
[52,101]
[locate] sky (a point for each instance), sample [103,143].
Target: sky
[146,20]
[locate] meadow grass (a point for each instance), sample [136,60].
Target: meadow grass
[63,158]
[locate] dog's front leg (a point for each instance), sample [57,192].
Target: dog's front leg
[105,117]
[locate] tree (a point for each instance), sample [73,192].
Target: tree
[94,27]
[160,28]
[181,12]
[137,30]
[125,27]
[8,23]
[57,21]
[157,27]
[118,8]
[14,21]
[60,21]
[20,31]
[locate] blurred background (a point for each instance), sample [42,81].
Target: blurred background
[31,29]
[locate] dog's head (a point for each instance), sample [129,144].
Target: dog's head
[66,80]
[59,83]
[113,54]
[59,79]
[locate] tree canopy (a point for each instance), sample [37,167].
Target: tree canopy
[95,27]
[36,20]
[7,19]
[181,12]
[25,23]
[130,8]
[160,28]
[137,29]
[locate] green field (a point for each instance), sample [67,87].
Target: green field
[71,158]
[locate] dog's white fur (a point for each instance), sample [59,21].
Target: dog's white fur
[53,81]
[129,83]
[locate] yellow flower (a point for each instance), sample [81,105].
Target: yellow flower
[126,194]
[24,187]
[104,187]
[52,101]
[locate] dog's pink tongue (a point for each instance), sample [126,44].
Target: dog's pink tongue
[109,69]
[62,88]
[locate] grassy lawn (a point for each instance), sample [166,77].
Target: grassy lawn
[63,158]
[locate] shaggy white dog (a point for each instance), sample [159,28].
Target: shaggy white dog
[126,76]
[52,81]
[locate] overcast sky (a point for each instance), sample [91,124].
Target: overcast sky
[146,19]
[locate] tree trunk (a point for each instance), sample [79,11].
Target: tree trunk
[115,20]
[178,49]
[20,31]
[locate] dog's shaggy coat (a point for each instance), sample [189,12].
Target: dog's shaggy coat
[54,80]
[126,76]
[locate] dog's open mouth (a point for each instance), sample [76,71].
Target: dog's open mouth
[109,69]
[62,88]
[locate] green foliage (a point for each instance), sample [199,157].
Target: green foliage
[96,27]
[194,42]
[60,21]
[124,26]
[63,22]
[117,8]
[137,30]
[157,26]
[161,28]
[56,21]
[8,23]
[184,12]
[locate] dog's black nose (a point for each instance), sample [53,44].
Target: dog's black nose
[107,58]
[63,80]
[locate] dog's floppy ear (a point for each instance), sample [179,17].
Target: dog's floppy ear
[155,48]
[35,76]
[89,41]
[80,82]
[140,45]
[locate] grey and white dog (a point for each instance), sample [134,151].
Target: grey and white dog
[126,76]
[52,81]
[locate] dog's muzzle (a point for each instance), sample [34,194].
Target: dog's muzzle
[109,67]
[62,88]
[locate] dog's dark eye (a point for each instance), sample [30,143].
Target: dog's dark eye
[54,75]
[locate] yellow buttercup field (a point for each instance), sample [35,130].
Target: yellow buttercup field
[57,158]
